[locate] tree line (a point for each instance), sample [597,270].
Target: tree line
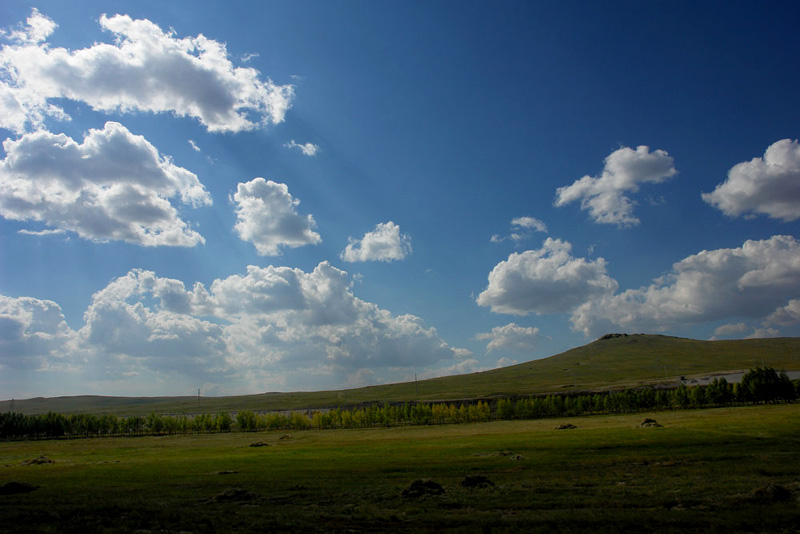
[762,384]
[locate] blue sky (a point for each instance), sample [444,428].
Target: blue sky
[316,195]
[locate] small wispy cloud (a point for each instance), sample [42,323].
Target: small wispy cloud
[41,232]
[308,149]
[247,57]
[194,146]
[521,228]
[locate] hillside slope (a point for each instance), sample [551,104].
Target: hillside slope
[608,363]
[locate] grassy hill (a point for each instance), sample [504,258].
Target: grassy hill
[608,363]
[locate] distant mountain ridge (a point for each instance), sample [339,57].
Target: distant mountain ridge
[610,362]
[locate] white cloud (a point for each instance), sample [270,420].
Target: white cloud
[787,315]
[112,186]
[20,108]
[33,334]
[606,196]
[123,335]
[308,149]
[768,185]
[511,337]
[37,29]
[275,321]
[384,243]
[760,333]
[548,280]
[529,222]
[521,228]
[146,69]
[726,330]
[758,281]
[40,233]
[505,362]
[194,146]
[266,215]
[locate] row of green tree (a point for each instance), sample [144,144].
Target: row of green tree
[762,384]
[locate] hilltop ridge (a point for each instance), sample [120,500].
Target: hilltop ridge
[610,362]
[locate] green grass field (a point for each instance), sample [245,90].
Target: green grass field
[630,361]
[700,472]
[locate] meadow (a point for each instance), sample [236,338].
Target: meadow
[712,470]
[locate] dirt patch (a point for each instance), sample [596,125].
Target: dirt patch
[226,472]
[261,444]
[13,488]
[476,481]
[422,487]
[566,426]
[234,495]
[650,423]
[285,436]
[38,461]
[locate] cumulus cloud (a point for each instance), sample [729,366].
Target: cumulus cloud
[384,243]
[606,197]
[145,69]
[308,149]
[112,186]
[768,186]
[125,334]
[787,315]
[735,329]
[760,333]
[276,325]
[33,334]
[547,280]
[267,216]
[521,228]
[511,337]
[757,281]
[274,320]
